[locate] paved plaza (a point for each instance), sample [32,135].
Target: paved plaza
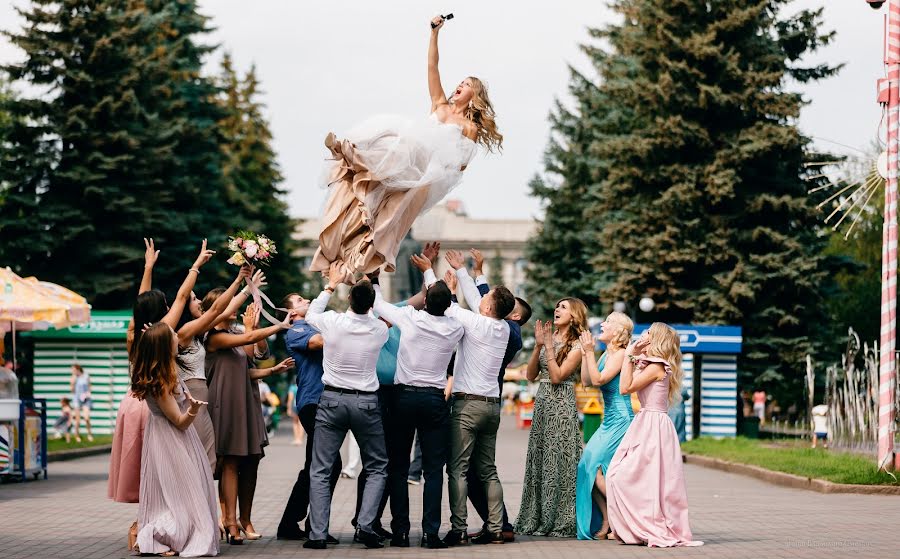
[69,516]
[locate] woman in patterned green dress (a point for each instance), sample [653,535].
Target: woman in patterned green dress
[554,444]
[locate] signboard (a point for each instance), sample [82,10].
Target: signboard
[103,324]
[701,339]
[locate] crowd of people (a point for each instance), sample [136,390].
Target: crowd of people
[389,373]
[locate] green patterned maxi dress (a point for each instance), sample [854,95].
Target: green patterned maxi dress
[554,449]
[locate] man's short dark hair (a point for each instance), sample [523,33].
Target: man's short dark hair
[504,301]
[437,298]
[285,304]
[362,297]
[526,311]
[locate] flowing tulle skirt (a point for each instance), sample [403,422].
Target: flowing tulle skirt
[125,460]
[178,509]
[646,494]
[385,174]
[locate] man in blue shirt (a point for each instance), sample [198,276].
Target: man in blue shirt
[304,344]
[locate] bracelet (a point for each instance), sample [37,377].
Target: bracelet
[194,270]
[329,289]
[192,414]
[245,292]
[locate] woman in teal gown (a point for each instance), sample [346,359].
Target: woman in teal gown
[590,493]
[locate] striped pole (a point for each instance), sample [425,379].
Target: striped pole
[888,365]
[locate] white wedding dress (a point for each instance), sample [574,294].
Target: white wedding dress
[384,174]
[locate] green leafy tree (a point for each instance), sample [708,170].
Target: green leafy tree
[122,144]
[698,199]
[252,176]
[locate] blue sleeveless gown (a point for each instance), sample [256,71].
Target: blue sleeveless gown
[598,452]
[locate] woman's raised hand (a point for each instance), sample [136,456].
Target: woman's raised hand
[204,256]
[244,273]
[436,23]
[538,333]
[195,404]
[587,341]
[251,317]
[258,279]
[150,253]
[284,365]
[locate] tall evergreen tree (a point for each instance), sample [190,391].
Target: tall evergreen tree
[699,200]
[123,144]
[252,176]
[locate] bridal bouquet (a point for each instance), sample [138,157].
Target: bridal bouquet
[249,248]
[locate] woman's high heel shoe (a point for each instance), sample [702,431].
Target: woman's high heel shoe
[221,531]
[231,538]
[249,535]
[132,537]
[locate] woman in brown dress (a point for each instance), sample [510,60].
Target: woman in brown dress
[389,170]
[234,407]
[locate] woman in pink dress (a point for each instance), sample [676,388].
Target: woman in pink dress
[646,495]
[150,307]
[177,511]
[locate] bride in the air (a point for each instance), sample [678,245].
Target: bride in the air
[389,170]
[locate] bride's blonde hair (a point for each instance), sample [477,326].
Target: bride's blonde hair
[665,343]
[481,112]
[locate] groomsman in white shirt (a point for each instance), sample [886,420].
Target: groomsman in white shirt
[475,413]
[349,402]
[427,341]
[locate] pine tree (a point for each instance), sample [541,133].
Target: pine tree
[698,200]
[252,176]
[560,253]
[124,146]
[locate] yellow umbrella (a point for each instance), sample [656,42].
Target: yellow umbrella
[30,304]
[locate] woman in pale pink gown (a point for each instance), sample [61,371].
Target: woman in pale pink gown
[150,307]
[177,511]
[646,495]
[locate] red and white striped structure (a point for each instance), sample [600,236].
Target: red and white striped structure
[888,364]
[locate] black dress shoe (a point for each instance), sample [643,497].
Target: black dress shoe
[382,533]
[290,533]
[369,539]
[315,544]
[400,540]
[433,541]
[456,537]
[331,540]
[488,537]
[509,536]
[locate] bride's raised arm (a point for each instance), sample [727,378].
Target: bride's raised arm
[435,90]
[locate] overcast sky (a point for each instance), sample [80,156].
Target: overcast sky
[325,66]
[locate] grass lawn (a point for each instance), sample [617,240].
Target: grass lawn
[61,444]
[837,467]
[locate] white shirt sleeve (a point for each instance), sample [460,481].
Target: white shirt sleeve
[481,280]
[316,315]
[393,314]
[465,316]
[430,278]
[470,292]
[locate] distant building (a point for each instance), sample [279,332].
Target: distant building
[502,241]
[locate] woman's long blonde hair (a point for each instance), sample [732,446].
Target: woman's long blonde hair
[578,325]
[481,112]
[665,343]
[626,325]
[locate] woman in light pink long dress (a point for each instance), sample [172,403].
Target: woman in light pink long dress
[646,495]
[177,513]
